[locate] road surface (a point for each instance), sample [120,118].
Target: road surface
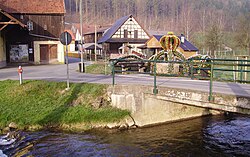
[58,73]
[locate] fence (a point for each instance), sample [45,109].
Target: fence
[210,69]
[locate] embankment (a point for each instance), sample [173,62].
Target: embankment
[41,104]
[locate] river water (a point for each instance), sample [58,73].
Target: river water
[215,136]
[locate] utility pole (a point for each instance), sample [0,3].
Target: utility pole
[95,43]
[67,62]
[105,61]
[81,42]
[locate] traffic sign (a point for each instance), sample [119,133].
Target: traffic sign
[65,38]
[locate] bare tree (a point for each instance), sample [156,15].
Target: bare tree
[213,38]
[243,34]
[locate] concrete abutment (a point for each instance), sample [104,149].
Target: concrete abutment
[171,104]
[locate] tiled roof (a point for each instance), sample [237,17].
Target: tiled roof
[113,29]
[33,6]
[186,46]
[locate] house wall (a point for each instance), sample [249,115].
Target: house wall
[113,47]
[2,52]
[45,25]
[153,43]
[90,38]
[60,50]
[187,54]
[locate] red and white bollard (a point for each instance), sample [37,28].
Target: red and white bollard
[20,73]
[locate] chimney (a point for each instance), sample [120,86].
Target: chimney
[182,38]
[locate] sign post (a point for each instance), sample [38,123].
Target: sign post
[81,41]
[66,39]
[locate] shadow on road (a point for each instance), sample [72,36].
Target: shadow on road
[242,96]
[238,90]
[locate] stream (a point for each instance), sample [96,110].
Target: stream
[211,136]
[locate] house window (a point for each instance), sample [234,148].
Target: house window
[125,33]
[136,34]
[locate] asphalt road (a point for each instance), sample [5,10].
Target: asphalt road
[58,73]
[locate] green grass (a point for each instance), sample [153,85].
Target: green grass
[98,68]
[47,103]
[229,75]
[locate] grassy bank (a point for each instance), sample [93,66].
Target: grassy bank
[98,68]
[49,104]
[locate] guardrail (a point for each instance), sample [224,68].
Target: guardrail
[194,69]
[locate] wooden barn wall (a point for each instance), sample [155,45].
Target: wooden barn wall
[45,25]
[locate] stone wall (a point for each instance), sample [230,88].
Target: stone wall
[147,109]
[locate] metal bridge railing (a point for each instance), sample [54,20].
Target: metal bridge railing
[209,69]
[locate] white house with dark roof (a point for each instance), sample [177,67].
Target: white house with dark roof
[126,33]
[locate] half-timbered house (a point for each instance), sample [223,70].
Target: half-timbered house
[31,29]
[123,34]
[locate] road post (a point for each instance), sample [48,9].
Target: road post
[113,73]
[241,71]
[155,91]
[20,73]
[192,69]
[210,97]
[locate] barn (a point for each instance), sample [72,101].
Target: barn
[30,31]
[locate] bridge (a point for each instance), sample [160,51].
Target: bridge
[171,104]
[166,103]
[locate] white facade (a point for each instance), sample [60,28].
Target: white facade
[131,29]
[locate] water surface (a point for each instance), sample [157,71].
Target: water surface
[202,137]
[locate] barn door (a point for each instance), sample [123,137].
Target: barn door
[44,53]
[53,53]
[48,53]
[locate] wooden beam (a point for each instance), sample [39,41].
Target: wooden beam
[12,18]
[8,23]
[3,27]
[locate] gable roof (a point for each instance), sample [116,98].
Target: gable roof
[114,28]
[186,46]
[33,6]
